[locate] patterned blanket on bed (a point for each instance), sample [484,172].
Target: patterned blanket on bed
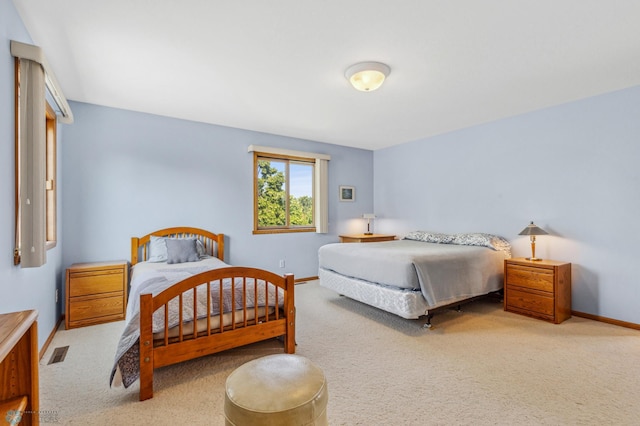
[126,368]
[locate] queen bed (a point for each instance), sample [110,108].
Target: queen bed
[417,275]
[186,302]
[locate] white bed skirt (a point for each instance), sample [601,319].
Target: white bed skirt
[409,304]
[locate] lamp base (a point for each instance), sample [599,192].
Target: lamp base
[368,233]
[533,259]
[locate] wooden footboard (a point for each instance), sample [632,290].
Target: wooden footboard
[231,288]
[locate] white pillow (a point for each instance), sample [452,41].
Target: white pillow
[157,249]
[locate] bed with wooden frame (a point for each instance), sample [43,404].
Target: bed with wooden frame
[245,305]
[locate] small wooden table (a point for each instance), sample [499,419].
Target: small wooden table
[364,238]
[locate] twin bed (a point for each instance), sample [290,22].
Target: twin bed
[417,275]
[186,302]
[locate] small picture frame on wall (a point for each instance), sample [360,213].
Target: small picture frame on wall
[347,193]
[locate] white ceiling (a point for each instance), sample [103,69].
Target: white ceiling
[278,66]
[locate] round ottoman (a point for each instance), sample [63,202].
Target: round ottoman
[281,389]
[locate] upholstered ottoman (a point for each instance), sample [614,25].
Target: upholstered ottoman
[276,390]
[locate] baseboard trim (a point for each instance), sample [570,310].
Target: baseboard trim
[50,338]
[607,320]
[300,280]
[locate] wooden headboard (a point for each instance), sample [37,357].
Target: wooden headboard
[213,243]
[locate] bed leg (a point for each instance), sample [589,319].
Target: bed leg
[146,347]
[427,324]
[290,338]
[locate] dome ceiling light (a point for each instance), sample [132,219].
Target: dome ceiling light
[367,76]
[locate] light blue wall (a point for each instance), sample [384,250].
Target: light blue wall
[129,173]
[32,288]
[573,169]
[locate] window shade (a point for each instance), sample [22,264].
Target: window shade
[32,165]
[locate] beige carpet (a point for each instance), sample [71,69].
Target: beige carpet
[479,366]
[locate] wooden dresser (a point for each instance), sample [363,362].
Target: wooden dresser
[19,394]
[96,293]
[364,238]
[540,289]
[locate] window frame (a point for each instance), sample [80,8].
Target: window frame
[287,159]
[51,177]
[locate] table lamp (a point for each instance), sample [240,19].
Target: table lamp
[368,216]
[532,230]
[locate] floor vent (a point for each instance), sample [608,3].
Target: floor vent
[58,355]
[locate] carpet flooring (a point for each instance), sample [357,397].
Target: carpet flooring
[475,367]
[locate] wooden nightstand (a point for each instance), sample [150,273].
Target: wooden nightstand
[95,293]
[363,238]
[540,289]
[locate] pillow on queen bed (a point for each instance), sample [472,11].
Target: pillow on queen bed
[430,237]
[182,250]
[494,242]
[158,248]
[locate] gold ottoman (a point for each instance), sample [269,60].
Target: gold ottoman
[276,390]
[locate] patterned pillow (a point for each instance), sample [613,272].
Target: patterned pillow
[474,239]
[430,237]
[484,240]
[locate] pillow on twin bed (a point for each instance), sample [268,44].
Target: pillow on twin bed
[158,248]
[182,250]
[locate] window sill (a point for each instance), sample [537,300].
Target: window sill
[283,231]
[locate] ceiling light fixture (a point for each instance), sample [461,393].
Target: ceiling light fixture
[367,76]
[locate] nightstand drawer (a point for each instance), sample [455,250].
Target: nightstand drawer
[533,278]
[95,282]
[535,303]
[96,308]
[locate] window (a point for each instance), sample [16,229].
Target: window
[284,194]
[51,176]
[287,185]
